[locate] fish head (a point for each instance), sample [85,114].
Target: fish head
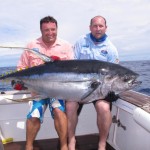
[118,79]
[124,83]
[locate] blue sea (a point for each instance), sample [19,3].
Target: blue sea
[141,67]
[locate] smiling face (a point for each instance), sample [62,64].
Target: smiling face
[98,27]
[49,32]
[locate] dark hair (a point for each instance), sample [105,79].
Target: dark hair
[96,17]
[48,19]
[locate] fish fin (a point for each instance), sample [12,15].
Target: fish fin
[93,87]
[23,99]
[39,54]
[44,57]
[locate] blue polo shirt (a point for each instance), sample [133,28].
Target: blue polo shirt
[85,48]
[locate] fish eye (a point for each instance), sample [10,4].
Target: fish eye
[104,71]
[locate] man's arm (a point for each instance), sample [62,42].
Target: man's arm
[22,64]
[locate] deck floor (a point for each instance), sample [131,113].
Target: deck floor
[86,142]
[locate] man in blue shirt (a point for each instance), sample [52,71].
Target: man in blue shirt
[94,45]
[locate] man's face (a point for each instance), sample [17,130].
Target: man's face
[98,27]
[49,32]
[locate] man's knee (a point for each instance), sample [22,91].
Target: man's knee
[58,113]
[33,120]
[102,106]
[72,107]
[33,124]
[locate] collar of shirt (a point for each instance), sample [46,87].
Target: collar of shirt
[57,42]
[102,39]
[98,43]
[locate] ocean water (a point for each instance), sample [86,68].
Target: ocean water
[141,67]
[5,86]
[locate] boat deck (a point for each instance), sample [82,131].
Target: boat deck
[84,142]
[137,99]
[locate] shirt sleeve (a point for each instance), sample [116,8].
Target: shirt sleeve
[24,60]
[70,54]
[76,49]
[113,55]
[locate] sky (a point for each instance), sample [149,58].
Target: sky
[128,24]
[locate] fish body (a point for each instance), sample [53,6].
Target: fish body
[76,80]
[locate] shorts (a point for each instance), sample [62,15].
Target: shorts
[37,108]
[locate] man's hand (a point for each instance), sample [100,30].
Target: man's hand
[55,58]
[18,85]
[111,97]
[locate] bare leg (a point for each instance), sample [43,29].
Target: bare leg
[60,121]
[71,111]
[32,127]
[104,120]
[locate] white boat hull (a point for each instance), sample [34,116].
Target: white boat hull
[127,131]
[130,129]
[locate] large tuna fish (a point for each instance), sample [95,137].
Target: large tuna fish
[76,80]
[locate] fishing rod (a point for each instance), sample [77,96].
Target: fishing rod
[34,51]
[14,47]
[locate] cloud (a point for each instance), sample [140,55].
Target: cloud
[128,21]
